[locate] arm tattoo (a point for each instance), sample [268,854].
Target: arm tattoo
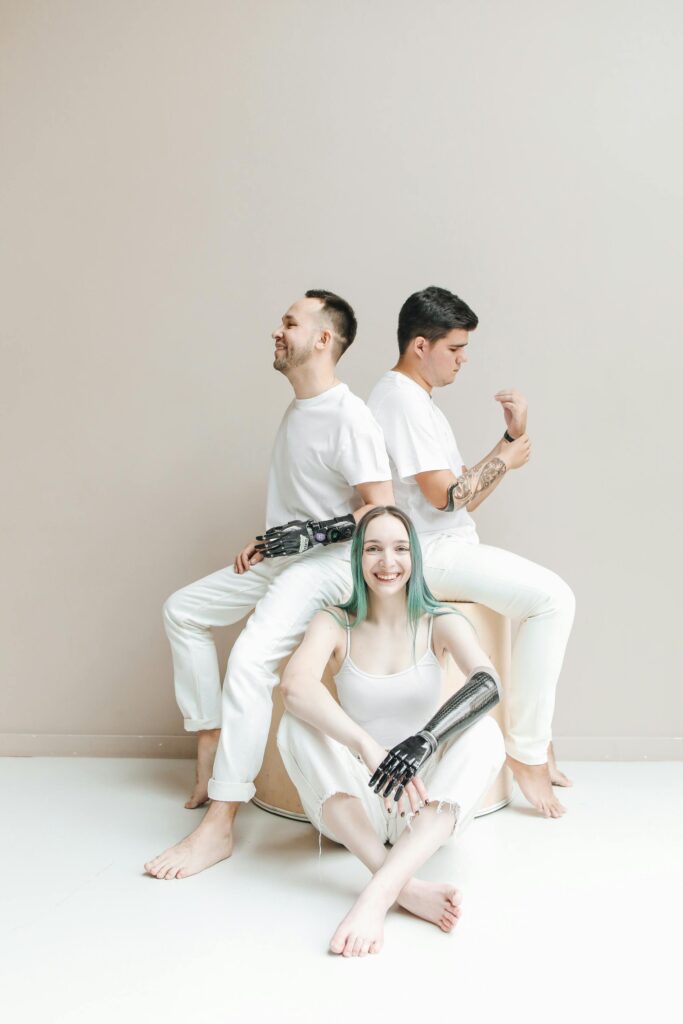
[473,482]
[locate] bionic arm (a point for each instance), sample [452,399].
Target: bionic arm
[475,698]
[300,535]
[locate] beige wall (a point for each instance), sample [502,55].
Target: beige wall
[174,174]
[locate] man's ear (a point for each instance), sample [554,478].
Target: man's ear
[325,339]
[420,345]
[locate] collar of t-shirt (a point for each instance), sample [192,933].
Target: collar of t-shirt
[401,379]
[332,394]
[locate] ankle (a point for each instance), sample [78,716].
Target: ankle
[208,734]
[222,813]
[383,891]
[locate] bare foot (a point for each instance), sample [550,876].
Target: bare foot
[362,930]
[207,743]
[557,777]
[210,842]
[534,782]
[439,904]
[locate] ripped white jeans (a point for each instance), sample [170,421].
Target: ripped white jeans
[458,774]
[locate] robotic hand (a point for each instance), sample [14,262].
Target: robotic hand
[300,535]
[480,692]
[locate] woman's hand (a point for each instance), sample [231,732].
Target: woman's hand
[414,794]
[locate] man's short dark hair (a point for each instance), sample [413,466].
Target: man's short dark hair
[343,318]
[431,314]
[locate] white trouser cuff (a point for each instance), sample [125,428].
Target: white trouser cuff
[196,724]
[231,791]
[530,753]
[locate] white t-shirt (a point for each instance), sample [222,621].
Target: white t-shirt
[418,438]
[323,448]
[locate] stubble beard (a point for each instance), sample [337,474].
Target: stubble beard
[286,361]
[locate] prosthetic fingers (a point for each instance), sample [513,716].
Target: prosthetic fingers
[300,535]
[480,692]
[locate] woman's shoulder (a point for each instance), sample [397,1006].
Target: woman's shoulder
[330,617]
[450,621]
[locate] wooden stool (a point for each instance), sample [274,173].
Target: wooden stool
[275,792]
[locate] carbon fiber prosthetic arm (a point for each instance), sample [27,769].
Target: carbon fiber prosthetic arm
[480,692]
[300,535]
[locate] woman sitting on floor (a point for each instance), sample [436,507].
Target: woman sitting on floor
[387,691]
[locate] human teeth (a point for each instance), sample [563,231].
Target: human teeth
[391,576]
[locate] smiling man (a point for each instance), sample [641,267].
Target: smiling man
[328,467]
[439,492]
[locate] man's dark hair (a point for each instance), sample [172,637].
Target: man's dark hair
[431,314]
[343,318]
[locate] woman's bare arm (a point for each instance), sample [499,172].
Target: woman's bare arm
[305,695]
[453,633]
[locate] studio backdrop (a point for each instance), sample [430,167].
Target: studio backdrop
[174,175]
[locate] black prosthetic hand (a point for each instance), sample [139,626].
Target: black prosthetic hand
[300,535]
[480,692]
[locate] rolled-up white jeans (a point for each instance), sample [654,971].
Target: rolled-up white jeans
[457,776]
[285,593]
[542,605]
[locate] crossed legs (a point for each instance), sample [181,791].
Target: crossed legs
[362,929]
[334,791]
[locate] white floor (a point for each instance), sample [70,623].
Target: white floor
[578,919]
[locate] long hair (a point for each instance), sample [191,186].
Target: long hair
[420,600]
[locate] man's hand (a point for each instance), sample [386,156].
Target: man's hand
[290,539]
[514,409]
[374,755]
[517,453]
[247,557]
[299,535]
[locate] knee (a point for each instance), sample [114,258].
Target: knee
[283,732]
[559,597]
[172,610]
[563,598]
[491,739]
[289,732]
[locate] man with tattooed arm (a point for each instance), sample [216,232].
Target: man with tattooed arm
[438,492]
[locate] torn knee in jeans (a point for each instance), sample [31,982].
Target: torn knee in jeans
[319,817]
[450,805]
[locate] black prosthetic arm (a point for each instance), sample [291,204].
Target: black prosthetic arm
[300,535]
[480,692]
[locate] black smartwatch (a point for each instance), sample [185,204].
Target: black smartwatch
[507,437]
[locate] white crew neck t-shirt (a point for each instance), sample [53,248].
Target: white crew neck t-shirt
[323,448]
[418,438]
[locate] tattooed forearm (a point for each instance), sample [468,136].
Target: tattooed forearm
[473,482]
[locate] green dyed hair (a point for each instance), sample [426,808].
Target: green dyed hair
[420,599]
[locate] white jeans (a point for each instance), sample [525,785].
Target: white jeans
[285,593]
[543,606]
[458,774]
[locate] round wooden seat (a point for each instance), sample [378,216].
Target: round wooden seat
[275,792]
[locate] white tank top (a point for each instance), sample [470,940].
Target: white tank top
[390,707]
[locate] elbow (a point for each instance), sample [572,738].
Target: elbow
[288,692]
[294,689]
